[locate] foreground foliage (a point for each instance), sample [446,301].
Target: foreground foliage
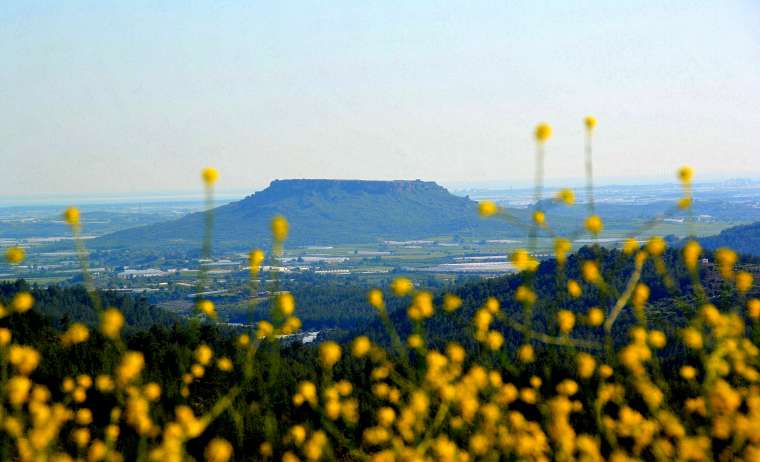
[591,366]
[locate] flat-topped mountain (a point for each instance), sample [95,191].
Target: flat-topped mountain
[324,212]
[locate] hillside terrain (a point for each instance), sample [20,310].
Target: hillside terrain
[743,239]
[323,212]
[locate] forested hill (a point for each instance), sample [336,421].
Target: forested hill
[744,239]
[324,212]
[62,305]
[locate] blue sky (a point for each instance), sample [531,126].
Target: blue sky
[128,97]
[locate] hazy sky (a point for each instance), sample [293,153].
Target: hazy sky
[107,96]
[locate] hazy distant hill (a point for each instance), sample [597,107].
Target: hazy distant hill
[743,239]
[325,212]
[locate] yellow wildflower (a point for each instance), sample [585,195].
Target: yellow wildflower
[111,323]
[224,364]
[285,303]
[539,218]
[494,340]
[415,341]
[71,216]
[207,307]
[594,224]
[22,302]
[401,286]
[590,272]
[685,174]
[595,317]
[5,336]
[451,302]
[203,354]
[630,246]
[691,252]
[361,346]
[523,261]
[743,281]
[329,353]
[753,308]
[15,255]
[656,245]
[487,208]
[218,450]
[573,288]
[586,365]
[543,132]
[76,333]
[210,175]
[566,321]
[255,260]
[566,196]
[132,364]
[279,228]
[525,354]
[590,123]
[688,372]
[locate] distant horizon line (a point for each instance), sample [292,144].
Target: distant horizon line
[187,195]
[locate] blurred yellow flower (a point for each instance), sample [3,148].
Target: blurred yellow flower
[285,303]
[586,365]
[594,224]
[22,302]
[361,346]
[573,288]
[203,354]
[589,122]
[451,302]
[218,450]
[543,132]
[207,307]
[224,364]
[566,321]
[415,341]
[743,281]
[691,252]
[562,247]
[688,372]
[71,216]
[656,246]
[264,329]
[494,340]
[539,218]
[111,323]
[5,336]
[525,354]
[401,286]
[566,196]
[692,338]
[487,208]
[280,228]
[753,308]
[590,272]
[375,298]
[685,174]
[255,260]
[15,255]
[329,353]
[726,259]
[523,261]
[630,246]
[130,367]
[210,175]
[595,317]
[76,333]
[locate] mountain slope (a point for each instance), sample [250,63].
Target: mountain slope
[744,239]
[324,212]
